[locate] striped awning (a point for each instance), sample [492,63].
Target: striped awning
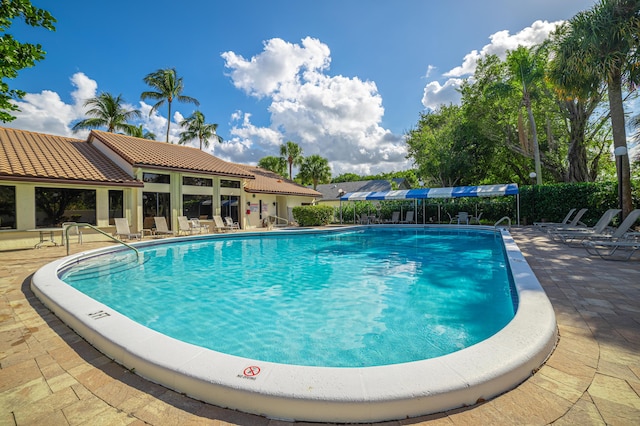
[453,192]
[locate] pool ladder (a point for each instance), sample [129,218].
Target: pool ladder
[87,225]
[506,218]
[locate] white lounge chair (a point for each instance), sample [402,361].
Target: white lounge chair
[408,218]
[621,232]
[161,226]
[197,226]
[565,221]
[572,235]
[123,231]
[575,223]
[609,249]
[231,224]
[218,224]
[395,217]
[74,231]
[184,227]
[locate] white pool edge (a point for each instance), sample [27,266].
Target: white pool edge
[321,394]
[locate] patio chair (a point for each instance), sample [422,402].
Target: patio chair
[364,219]
[475,219]
[607,250]
[74,230]
[395,217]
[218,224]
[231,224]
[196,225]
[184,227]
[565,221]
[161,226]
[574,224]
[571,235]
[123,231]
[408,218]
[463,217]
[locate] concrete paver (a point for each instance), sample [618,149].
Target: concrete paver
[48,374]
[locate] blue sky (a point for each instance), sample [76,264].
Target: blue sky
[344,79]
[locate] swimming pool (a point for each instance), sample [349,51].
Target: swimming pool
[372,393]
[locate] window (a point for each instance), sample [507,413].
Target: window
[156,178]
[194,181]
[197,206]
[57,205]
[229,207]
[156,204]
[116,205]
[7,207]
[229,183]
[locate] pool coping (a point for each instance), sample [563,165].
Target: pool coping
[288,392]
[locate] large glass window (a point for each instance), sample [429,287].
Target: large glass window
[156,204]
[116,205]
[156,178]
[194,181]
[7,207]
[197,206]
[229,183]
[229,207]
[57,205]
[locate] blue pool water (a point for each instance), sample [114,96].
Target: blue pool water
[369,297]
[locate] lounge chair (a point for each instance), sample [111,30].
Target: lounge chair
[564,222]
[408,218]
[161,226]
[608,249]
[231,224]
[574,224]
[572,235]
[218,224]
[184,227]
[621,232]
[395,217]
[196,225]
[123,231]
[74,230]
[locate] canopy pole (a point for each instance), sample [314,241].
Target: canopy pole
[518,207]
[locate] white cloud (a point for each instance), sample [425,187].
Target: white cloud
[500,43]
[337,117]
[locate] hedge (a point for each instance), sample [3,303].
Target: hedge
[313,215]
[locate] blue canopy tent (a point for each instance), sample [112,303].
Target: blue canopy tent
[498,190]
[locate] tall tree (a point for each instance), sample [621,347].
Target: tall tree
[142,133]
[604,41]
[107,111]
[197,128]
[275,164]
[168,87]
[315,169]
[291,152]
[14,55]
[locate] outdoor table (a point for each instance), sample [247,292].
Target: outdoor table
[46,235]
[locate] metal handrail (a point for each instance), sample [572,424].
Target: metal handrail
[495,225]
[88,225]
[286,222]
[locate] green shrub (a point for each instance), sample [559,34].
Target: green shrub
[313,215]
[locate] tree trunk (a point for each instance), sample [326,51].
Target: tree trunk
[616,107]
[534,136]
[168,120]
[577,154]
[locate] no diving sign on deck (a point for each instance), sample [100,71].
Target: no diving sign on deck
[251,372]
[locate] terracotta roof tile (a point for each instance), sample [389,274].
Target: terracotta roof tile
[37,156]
[269,182]
[143,152]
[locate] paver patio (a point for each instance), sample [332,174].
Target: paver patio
[49,375]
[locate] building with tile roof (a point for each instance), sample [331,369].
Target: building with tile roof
[46,180]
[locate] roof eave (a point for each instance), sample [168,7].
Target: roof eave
[35,179]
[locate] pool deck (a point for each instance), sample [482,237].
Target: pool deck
[49,375]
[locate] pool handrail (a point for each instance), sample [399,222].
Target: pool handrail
[507,218]
[88,225]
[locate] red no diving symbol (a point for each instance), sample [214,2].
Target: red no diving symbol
[251,371]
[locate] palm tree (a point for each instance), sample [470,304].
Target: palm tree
[140,132]
[275,164]
[196,128]
[292,153]
[604,42]
[526,68]
[168,88]
[315,169]
[107,111]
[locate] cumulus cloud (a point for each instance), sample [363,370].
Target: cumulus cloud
[500,43]
[337,117]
